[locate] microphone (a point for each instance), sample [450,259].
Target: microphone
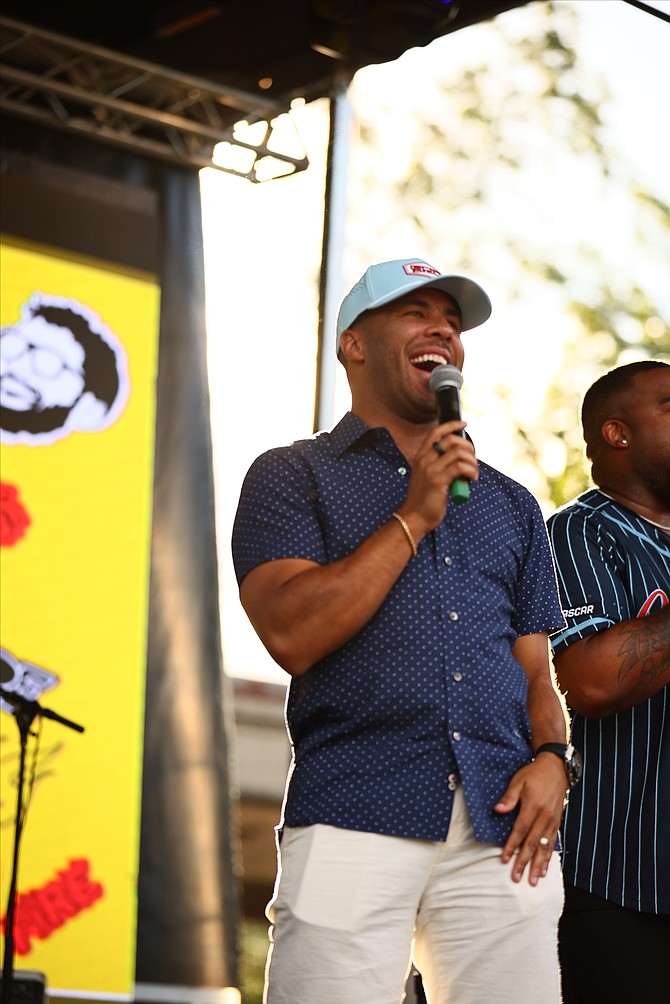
[445,383]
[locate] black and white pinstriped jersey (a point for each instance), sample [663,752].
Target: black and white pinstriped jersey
[612,565]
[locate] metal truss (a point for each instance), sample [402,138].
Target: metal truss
[81,88]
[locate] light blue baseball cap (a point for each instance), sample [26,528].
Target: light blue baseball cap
[390,280]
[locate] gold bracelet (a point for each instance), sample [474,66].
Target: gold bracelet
[408,532]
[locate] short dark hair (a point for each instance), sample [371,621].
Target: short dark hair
[601,397]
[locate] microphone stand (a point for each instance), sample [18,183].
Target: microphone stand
[24,713]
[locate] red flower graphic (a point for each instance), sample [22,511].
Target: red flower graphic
[14,520]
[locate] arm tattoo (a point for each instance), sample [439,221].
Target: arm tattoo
[644,650]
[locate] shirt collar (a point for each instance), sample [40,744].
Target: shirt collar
[351,430]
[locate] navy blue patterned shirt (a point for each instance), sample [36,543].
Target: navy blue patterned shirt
[614,566]
[428,691]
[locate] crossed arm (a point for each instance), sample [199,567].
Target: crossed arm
[615,669]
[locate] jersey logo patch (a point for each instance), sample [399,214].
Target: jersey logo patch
[587,610]
[655,601]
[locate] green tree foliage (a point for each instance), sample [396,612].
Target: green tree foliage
[507,167]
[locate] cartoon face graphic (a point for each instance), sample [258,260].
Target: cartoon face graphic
[42,367]
[61,371]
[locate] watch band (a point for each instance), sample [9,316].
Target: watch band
[572,759]
[560,749]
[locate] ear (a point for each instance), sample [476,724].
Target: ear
[352,345]
[616,433]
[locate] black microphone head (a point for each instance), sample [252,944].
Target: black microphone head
[445,376]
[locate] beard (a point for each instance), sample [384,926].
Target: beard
[655,475]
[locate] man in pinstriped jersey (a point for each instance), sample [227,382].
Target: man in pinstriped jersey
[612,551]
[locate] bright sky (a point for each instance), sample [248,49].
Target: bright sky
[263,255]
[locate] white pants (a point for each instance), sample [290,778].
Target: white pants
[349,907]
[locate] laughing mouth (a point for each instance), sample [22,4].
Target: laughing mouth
[427,361]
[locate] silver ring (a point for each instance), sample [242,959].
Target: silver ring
[544,841]
[438,449]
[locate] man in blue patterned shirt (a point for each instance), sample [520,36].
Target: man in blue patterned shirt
[612,549]
[415,630]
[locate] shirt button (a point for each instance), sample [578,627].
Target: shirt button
[453,782]
[456,736]
[448,561]
[402,470]
[453,616]
[457,676]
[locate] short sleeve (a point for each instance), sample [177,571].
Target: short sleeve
[590,568]
[277,514]
[538,608]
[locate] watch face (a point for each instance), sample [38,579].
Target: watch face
[574,763]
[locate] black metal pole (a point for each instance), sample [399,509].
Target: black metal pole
[24,718]
[24,713]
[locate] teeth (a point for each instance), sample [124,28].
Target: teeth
[427,357]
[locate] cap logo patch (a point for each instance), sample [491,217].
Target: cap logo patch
[420,268]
